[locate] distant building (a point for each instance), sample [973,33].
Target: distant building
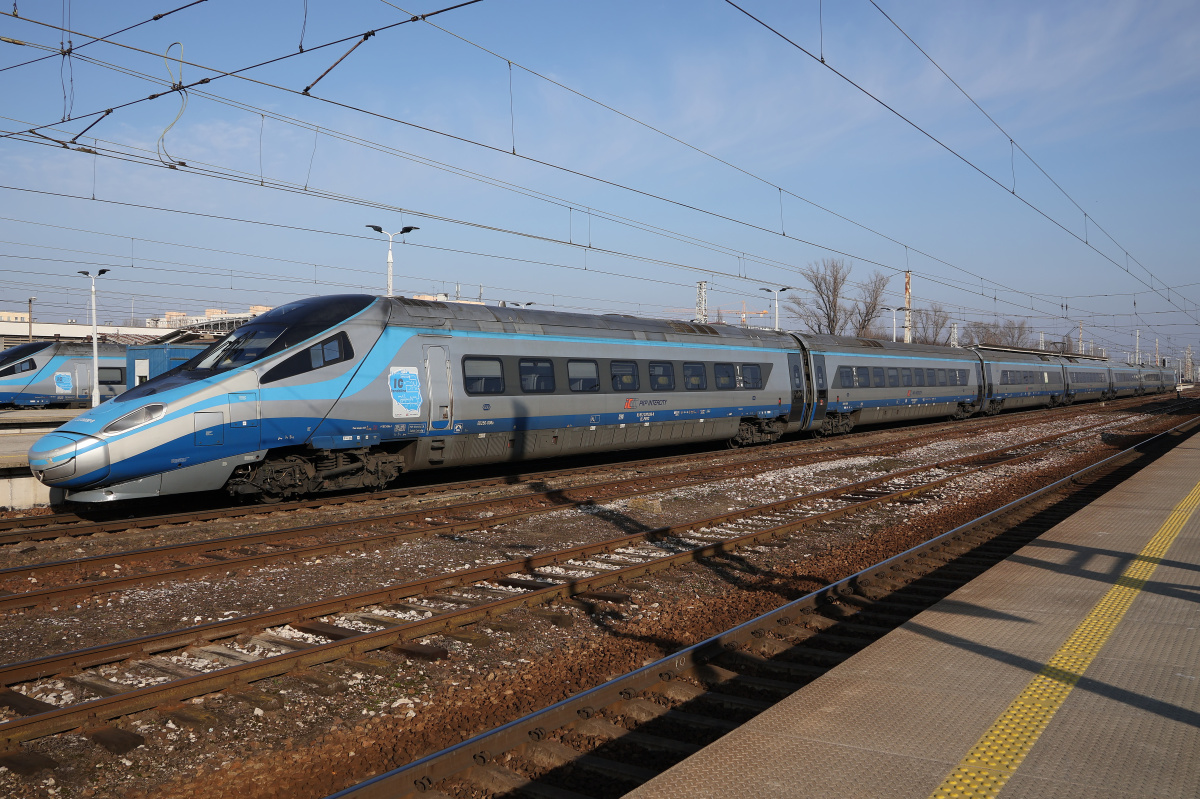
[14,316]
[177,319]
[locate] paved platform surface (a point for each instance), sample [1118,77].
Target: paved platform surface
[1070,670]
[19,429]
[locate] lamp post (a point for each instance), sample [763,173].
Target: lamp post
[776,293]
[31,299]
[893,310]
[95,339]
[403,230]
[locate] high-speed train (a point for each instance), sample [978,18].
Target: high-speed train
[41,373]
[351,391]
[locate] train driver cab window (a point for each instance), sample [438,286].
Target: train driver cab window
[918,377]
[880,380]
[906,377]
[483,376]
[625,376]
[537,376]
[662,376]
[27,365]
[334,349]
[893,377]
[111,375]
[941,374]
[725,376]
[694,377]
[583,375]
[751,375]
[862,377]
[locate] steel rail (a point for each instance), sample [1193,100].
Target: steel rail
[422,774]
[89,712]
[561,500]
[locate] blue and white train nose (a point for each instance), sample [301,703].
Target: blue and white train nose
[69,460]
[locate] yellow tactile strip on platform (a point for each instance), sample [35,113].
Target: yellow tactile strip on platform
[1000,751]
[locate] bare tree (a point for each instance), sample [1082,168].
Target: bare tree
[832,310]
[1008,333]
[931,325]
[865,307]
[828,311]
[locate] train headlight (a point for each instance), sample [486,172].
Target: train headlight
[143,415]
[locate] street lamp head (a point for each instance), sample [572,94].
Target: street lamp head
[767,290]
[102,272]
[85,274]
[408,229]
[786,288]
[376,228]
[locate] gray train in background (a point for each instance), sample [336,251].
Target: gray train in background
[38,374]
[352,391]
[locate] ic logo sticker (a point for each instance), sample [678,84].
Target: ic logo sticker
[629,403]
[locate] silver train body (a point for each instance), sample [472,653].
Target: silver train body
[352,391]
[42,373]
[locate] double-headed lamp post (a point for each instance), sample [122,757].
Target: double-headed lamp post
[403,230]
[95,339]
[776,293]
[893,310]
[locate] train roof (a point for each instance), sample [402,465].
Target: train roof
[821,341]
[489,318]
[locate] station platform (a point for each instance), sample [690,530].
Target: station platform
[1071,669]
[19,429]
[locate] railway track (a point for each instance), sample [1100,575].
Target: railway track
[608,740]
[230,655]
[27,529]
[80,577]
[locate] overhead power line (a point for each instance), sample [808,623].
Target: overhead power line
[1081,239]
[614,184]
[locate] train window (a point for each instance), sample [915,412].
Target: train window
[16,369]
[583,375]
[625,376]
[111,375]
[941,375]
[537,376]
[862,377]
[819,371]
[906,377]
[931,377]
[964,377]
[695,378]
[751,375]
[334,349]
[845,377]
[725,376]
[918,377]
[880,380]
[662,376]
[483,376]
[893,377]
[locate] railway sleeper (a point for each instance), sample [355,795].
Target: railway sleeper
[760,666]
[783,651]
[711,674]
[501,780]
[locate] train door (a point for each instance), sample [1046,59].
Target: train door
[979,378]
[991,387]
[437,374]
[83,381]
[796,375]
[822,392]
[243,420]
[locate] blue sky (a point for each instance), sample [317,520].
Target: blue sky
[597,212]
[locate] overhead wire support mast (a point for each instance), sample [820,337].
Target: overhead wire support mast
[968,162]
